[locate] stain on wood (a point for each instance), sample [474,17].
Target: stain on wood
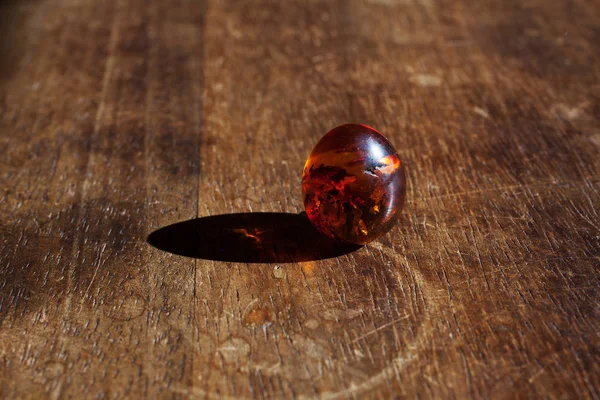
[119,118]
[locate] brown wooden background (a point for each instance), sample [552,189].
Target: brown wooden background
[120,117]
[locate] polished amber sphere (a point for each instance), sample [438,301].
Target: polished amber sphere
[353,184]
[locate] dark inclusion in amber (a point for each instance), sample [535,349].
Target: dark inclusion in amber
[353,184]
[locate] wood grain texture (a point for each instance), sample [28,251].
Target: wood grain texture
[121,117]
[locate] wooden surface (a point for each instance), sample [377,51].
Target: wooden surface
[118,118]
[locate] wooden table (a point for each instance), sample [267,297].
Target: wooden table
[121,117]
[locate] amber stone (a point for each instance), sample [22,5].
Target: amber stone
[353,184]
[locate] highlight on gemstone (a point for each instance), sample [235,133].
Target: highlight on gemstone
[353,184]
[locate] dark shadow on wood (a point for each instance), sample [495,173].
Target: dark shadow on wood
[14,15]
[249,238]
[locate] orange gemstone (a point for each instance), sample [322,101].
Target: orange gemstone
[353,184]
